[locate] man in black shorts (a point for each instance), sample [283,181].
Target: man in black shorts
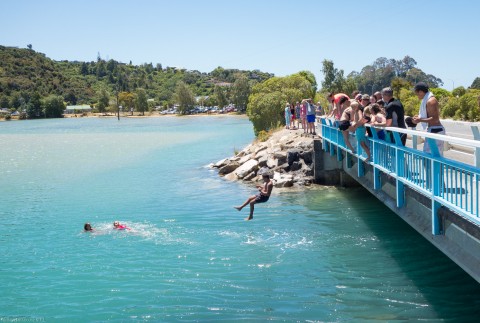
[264,193]
[395,113]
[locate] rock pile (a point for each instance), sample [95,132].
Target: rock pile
[288,154]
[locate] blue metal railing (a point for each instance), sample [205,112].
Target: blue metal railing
[446,182]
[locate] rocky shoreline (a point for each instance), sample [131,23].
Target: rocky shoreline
[287,153]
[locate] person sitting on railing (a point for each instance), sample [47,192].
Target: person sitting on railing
[429,115]
[336,100]
[378,120]
[359,121]
[345,125]
[367,115]
[352,121]
[395,113]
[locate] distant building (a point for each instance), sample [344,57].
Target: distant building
[77,109]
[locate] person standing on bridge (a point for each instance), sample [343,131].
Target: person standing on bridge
[429,115]
[395,113]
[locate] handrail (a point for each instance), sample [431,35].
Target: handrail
[445,181]
[457,140]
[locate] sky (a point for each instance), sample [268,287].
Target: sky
[280,37]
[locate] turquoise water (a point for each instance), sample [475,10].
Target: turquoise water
[325,254]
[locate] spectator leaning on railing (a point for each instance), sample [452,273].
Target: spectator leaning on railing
[395,113]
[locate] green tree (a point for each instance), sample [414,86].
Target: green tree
[310,78]
[53,106]
[267,102]
[398,84]
[240,92]
[329,72]
[127,100]
[84,69]
[220,93]
[103,98]
[4,103]
[333,79]
[141,104]
[184,97]
[463,107]
[459,91]
[475,83]
[34,108]
[101,69]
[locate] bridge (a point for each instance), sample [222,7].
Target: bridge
[438,196]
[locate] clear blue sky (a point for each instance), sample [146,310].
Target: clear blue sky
[281,37]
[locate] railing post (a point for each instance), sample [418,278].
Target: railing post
[325,143]
[360,167]
[376,172]
[437,181]
[476,136]
[399,168]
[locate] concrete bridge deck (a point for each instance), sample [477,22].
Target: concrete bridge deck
[438,196]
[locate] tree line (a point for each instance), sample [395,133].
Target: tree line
[267,101]
[40,87]
[26,75]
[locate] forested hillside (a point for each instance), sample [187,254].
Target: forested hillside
[26,76]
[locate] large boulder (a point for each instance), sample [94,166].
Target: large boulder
[221,163]
[307,156]
[292,156]
[263,146]
[307,171]
[262,162]
[295,166]
[282,180]
[231,177]
[282,168]
[277,147]
[271,162]
[281,157]
[261,154]
[250,176]
[244,159]
[245,169]
[228,168]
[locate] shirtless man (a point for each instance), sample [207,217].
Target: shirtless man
[264,194]
[352,120]
[346,123]
[429,115]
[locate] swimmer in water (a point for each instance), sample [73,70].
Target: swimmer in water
[88,227]
[118,226]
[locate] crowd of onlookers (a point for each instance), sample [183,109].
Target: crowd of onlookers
[302,114]
[352,113]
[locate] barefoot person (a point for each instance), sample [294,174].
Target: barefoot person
[429,115]
[264,194]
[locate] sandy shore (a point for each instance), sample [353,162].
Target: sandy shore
[147,115]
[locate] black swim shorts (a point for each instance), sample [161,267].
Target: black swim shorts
[260,198]
[344,125]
